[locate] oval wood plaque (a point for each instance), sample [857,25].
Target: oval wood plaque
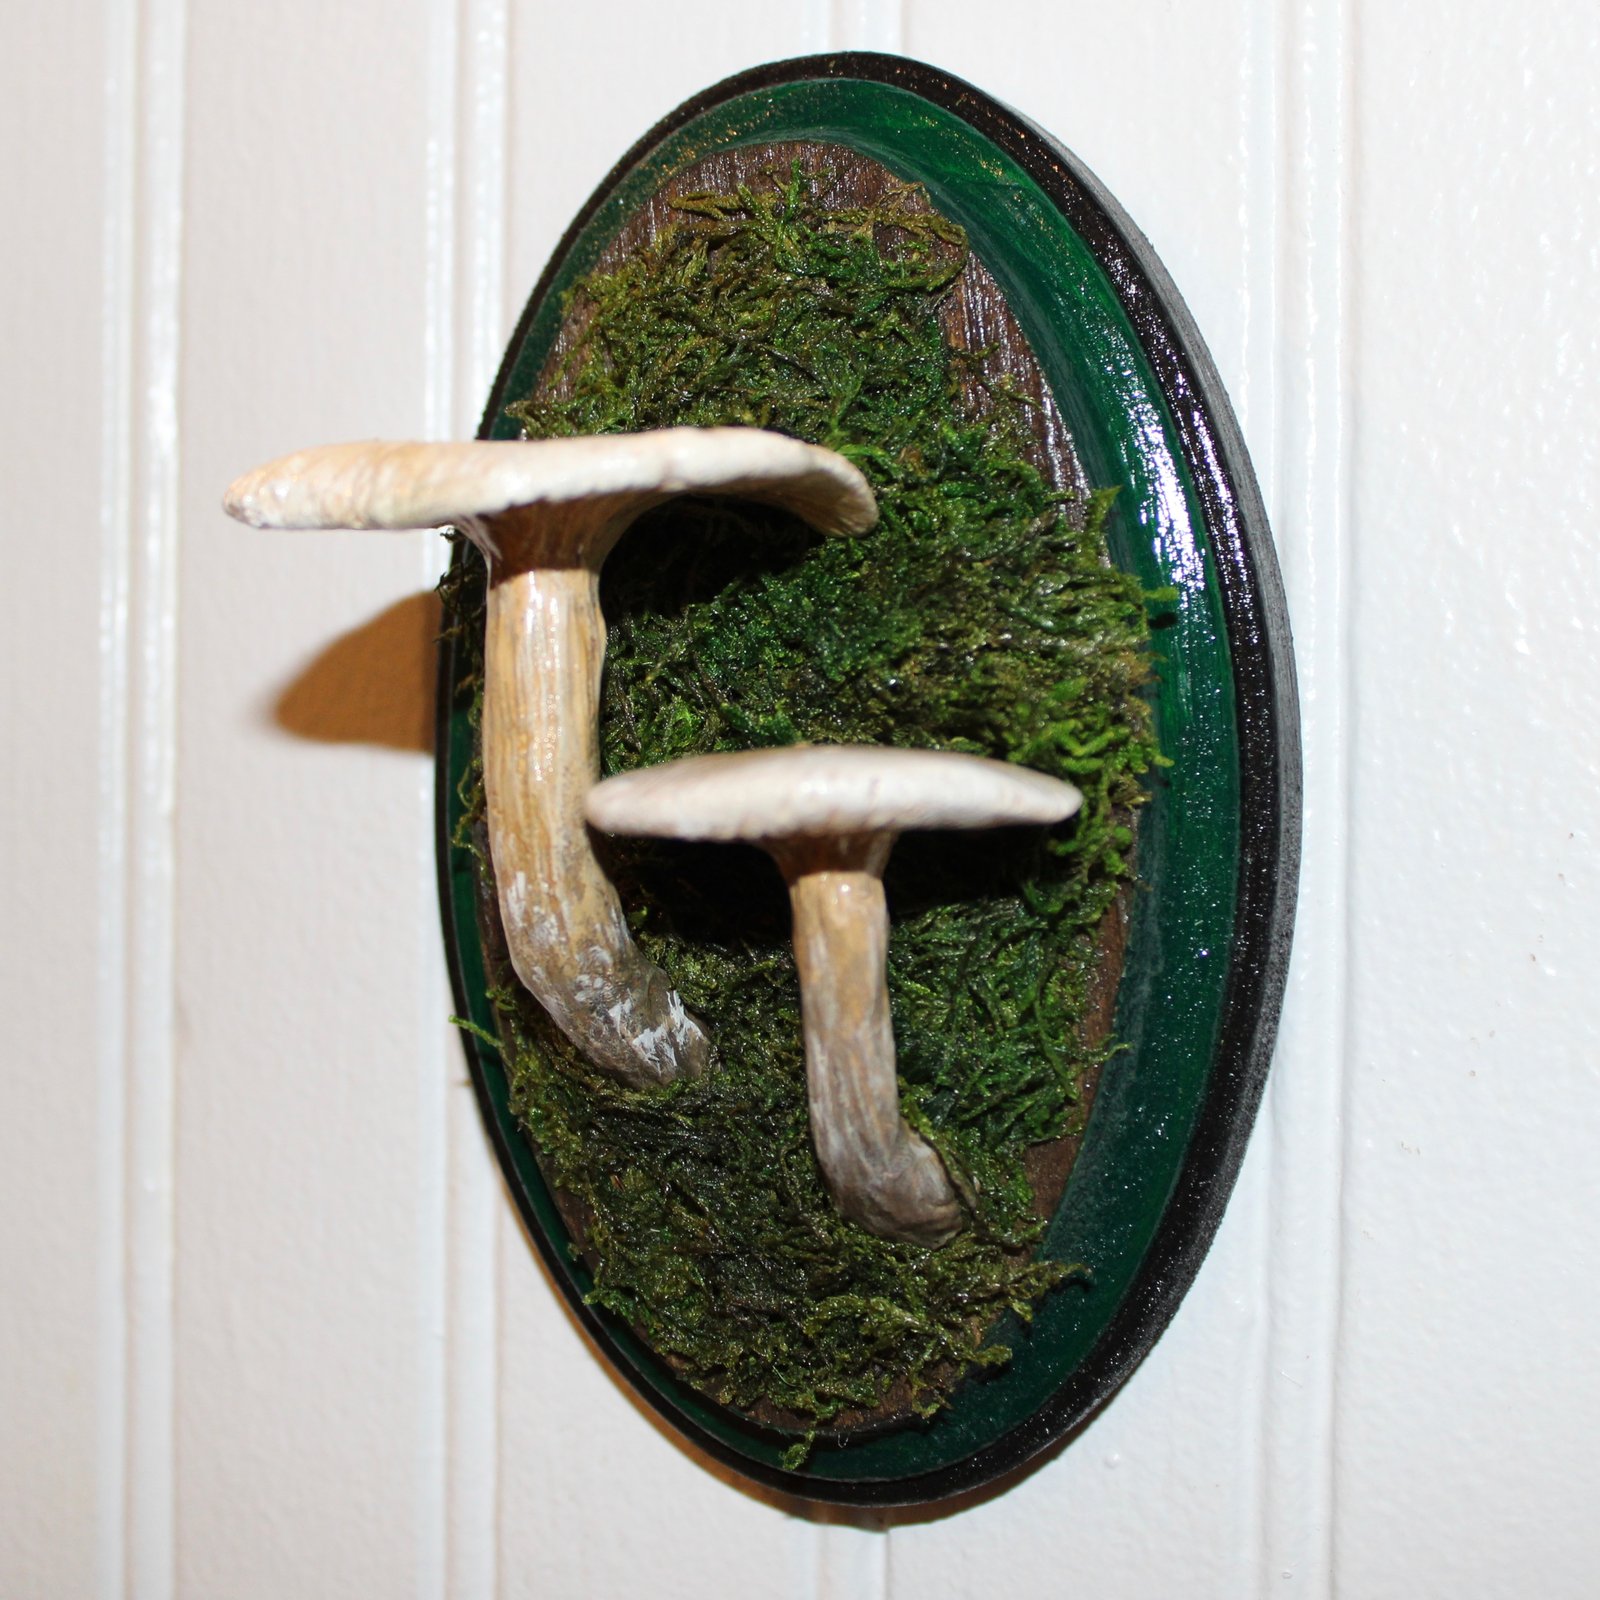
[1065,298]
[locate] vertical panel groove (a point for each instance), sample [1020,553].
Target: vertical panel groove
[439,305]
[867,25]
[815,32]
[1350,196]
[1306,1103]
[477,305]
[111,956]
[433,1197]
[487,111]
[147,661]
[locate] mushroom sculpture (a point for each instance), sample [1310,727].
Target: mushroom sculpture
[546,514]
[829,816]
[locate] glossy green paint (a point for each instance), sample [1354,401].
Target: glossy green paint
[1181,931]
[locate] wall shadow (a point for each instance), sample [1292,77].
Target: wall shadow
[373,685]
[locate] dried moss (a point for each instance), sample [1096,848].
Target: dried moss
[981,615]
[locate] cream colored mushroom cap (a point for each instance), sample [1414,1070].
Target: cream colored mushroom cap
[814,791]
[381,484]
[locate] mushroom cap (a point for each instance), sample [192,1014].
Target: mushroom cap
[813,791]
[381,484]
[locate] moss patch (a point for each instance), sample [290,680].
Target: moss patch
[981,615]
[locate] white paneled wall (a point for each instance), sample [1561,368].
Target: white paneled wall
[268,1324]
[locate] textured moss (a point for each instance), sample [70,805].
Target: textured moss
[981,615]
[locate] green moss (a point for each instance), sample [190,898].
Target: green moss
[981,615]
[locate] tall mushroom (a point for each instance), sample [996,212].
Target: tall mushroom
[829,816]
[546,514]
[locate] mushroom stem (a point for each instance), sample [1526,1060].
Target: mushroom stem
[565,930]
[880,1173]
[829,815]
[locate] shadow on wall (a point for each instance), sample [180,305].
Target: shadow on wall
[373,685]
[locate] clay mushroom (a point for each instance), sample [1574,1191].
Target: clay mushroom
[546,514]
[829,816]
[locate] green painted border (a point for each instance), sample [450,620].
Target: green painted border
[1171,995]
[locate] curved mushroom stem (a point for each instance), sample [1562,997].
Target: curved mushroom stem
[565,929]
[546,514]
[881,1174]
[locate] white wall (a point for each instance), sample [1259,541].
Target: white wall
[268,1326]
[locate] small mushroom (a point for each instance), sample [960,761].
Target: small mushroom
[829,816]
[546,514]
